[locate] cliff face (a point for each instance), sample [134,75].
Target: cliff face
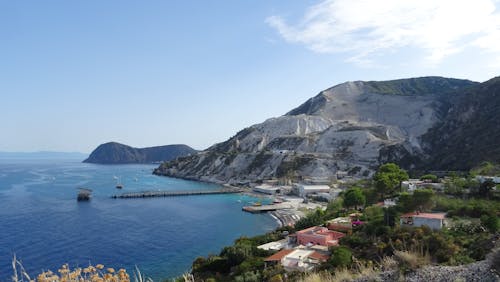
[351,127]
[116,153]
[469,133]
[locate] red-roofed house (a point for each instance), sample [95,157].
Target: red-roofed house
[417,219]
[317,235]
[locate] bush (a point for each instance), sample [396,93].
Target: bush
[341,257]
[491,222]
[411,259]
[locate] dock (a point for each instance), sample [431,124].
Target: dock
[267,208]
[166,193]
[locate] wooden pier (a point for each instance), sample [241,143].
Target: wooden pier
[152,194]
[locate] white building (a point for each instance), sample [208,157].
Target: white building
[274,246]
[414,184]
[411,184]
[435,221]
[303,190]
[483,178]
[266,189]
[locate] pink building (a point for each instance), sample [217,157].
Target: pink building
[319,236]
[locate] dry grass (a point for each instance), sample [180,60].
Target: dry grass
[388,263]
[358,270]
[412,259]
[97,273]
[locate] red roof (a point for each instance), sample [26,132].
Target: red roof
[279,255]
[319,256]
[425,215]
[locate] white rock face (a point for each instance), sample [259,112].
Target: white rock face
[343,128]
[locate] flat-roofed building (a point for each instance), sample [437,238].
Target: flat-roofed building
[317,235]
[417,219]
[304,189]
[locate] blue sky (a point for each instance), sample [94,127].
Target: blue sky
[75,74]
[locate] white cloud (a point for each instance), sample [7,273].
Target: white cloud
[365,28]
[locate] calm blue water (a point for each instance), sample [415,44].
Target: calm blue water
[41,221]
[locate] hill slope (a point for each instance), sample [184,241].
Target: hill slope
[470,132]
[116,153]
[351,127]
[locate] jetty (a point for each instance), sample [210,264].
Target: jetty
[267,208]
[166,193]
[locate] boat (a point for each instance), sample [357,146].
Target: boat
[119,185]
[84,195]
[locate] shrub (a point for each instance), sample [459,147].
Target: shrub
[491,222]
[412,259]
[341,257]
[87,274]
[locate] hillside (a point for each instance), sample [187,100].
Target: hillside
[351,127]
[470,132]
[116,153]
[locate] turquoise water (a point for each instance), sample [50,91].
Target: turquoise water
[43,224]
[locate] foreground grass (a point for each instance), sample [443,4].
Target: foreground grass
[97,273]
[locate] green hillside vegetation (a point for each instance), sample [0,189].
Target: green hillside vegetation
[469,133]
[431,85]
[380,242]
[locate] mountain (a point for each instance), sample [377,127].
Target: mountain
[116,153]
[351,127]
[46,155]
[469,134]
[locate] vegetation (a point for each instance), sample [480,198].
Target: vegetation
[354,197]
[416,86]
[97,273]
[431,177]
[388,179]
[421,200]
[341,257]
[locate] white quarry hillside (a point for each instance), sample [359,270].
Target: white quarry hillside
[345,128]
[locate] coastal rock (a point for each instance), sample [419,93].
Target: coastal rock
[116,153]
[351,127]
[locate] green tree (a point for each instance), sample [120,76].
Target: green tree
[354,197]
[491,222]
[316,217]
[374,213]
[388,178]
[455,186]
[420,200]
[341,257]
[486,188]
[430,177]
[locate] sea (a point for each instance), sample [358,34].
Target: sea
[44,226]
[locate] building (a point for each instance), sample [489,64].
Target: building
[267,189]
[342,224]
[303,189]
[317,235]
[483,178]
[414,184]
[274,246]
[297,259]
[416,219]
[388,203]
[342,174]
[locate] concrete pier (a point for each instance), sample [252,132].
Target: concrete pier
[152,194]
[266,208]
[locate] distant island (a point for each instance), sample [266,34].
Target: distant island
[116,153]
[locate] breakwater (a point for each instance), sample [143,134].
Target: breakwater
[151,194]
